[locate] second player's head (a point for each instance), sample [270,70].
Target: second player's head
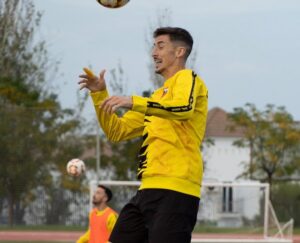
[102,195]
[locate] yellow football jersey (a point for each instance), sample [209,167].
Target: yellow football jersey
[172,123]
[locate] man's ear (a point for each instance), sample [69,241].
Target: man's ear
[180,51]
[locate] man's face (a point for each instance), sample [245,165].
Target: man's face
[163,53]
[99,196]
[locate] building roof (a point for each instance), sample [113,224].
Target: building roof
[218,123]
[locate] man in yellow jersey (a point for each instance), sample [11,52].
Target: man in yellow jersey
[101,219]
[172,123]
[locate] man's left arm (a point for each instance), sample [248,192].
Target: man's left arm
[181,107]
[112,219]
[185,92]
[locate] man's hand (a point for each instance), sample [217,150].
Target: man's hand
[111,104]
[92,82]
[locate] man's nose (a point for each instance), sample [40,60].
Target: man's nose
[154,52]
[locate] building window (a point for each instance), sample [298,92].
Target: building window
[227,200]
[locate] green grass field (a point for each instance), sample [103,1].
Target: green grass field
[43,228]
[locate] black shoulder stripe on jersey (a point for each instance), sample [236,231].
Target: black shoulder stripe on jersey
[142,160]
[184,108]
[145,136]
[143,149]
[140,175]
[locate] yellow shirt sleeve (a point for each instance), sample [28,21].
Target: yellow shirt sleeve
[84,238]
[111,221]
[116,128]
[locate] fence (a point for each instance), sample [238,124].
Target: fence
[60,207]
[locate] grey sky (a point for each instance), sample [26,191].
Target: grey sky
[248,50]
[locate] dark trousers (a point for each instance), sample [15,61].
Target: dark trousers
[157,216]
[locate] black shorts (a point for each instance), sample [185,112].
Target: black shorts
[156,216]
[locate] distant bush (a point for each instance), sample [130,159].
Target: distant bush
[286,201]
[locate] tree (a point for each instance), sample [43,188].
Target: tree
[22,60]
[273,138]
[286,201]
[37,135]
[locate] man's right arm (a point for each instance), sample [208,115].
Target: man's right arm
[84,238]
[117,128]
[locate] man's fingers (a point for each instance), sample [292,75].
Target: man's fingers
[83,76]
[89,72]
[110,104]
[82,81]
[82,86]
[115,108]
[102,74]
[104,103]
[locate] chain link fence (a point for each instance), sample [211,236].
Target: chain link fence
[60,207]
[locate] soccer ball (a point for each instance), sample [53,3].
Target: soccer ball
[75,167]
[113,3]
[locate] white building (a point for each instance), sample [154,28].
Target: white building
[224,162]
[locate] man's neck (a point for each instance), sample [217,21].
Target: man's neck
[171,71]
[101,206]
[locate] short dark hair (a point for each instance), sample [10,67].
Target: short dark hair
[176,34]
[107,191]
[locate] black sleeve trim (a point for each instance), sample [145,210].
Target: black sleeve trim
[184,108]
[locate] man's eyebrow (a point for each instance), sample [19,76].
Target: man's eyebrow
[159,43]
